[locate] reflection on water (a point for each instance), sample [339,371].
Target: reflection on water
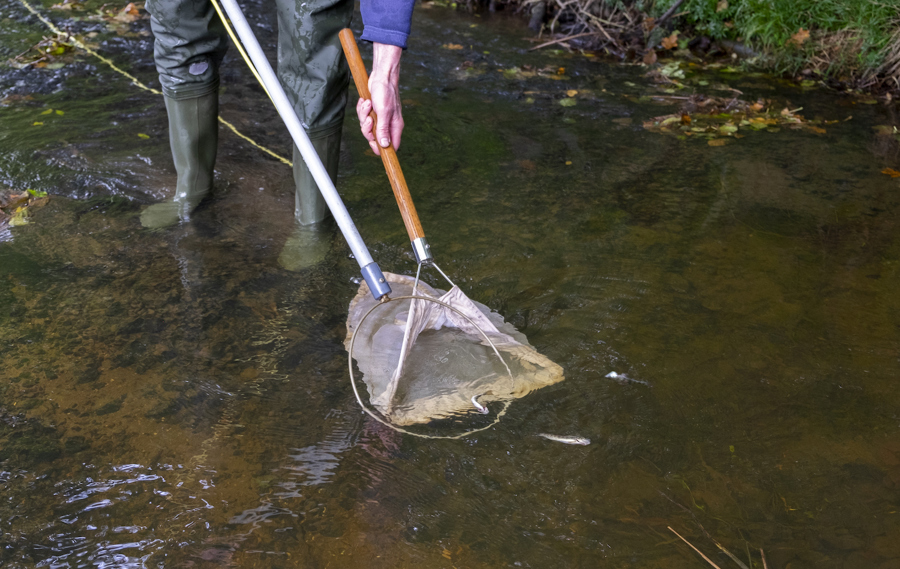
[176,399]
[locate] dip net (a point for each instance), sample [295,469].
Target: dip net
[440,355]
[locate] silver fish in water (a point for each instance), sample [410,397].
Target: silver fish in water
[481,408]
[566,440]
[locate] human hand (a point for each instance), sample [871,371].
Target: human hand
[384,87]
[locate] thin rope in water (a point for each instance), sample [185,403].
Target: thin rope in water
[372,414]
[137,82]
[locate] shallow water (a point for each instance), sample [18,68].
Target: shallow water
[177,399]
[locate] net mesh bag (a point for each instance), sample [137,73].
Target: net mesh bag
[435,366]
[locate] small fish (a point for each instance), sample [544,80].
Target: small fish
[481,408]
[566,440]
[622,378]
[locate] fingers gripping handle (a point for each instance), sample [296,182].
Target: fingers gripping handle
[388,155]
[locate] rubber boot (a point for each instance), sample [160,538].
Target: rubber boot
[193,137]
[310,241]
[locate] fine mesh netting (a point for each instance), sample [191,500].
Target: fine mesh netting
[444,360]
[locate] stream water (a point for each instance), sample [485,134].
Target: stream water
[176,399]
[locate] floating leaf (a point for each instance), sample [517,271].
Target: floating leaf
[47,112]
[672,70]
[728,129]
[891,172]
[571,93]
[454,46]
[717,142]
[568,162]
[37,123]
[59,112]
[20,217]
[568,102]
[144,136]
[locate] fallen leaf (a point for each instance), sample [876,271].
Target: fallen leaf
[671,41]
[717,142]
[650,57]
[452,46]
[798,38]
[561,71]
[721,6]
[756,107]
[891,172]
[817,129]
[571,93]
[128,14]
[144,136]
[568,162]
[568,102]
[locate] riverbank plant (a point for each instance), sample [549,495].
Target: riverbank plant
[857,38]
[854,41]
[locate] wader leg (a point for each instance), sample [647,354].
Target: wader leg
[315,76]
[308,244]
[189,44]
[193,137]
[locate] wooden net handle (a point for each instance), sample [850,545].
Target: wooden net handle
[388,155]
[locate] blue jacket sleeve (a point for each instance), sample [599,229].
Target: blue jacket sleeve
[387,21]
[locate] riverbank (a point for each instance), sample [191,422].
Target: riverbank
[846,44]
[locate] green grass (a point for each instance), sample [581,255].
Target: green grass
[769,24]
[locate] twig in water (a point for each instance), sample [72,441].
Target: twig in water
[763,555]
[729,554]
[708,560]
[560,40]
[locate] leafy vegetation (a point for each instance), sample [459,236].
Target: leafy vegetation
[829,36]
[854,41]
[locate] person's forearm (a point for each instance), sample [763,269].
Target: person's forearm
[385,64]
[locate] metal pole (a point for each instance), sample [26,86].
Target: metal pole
[369,268]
